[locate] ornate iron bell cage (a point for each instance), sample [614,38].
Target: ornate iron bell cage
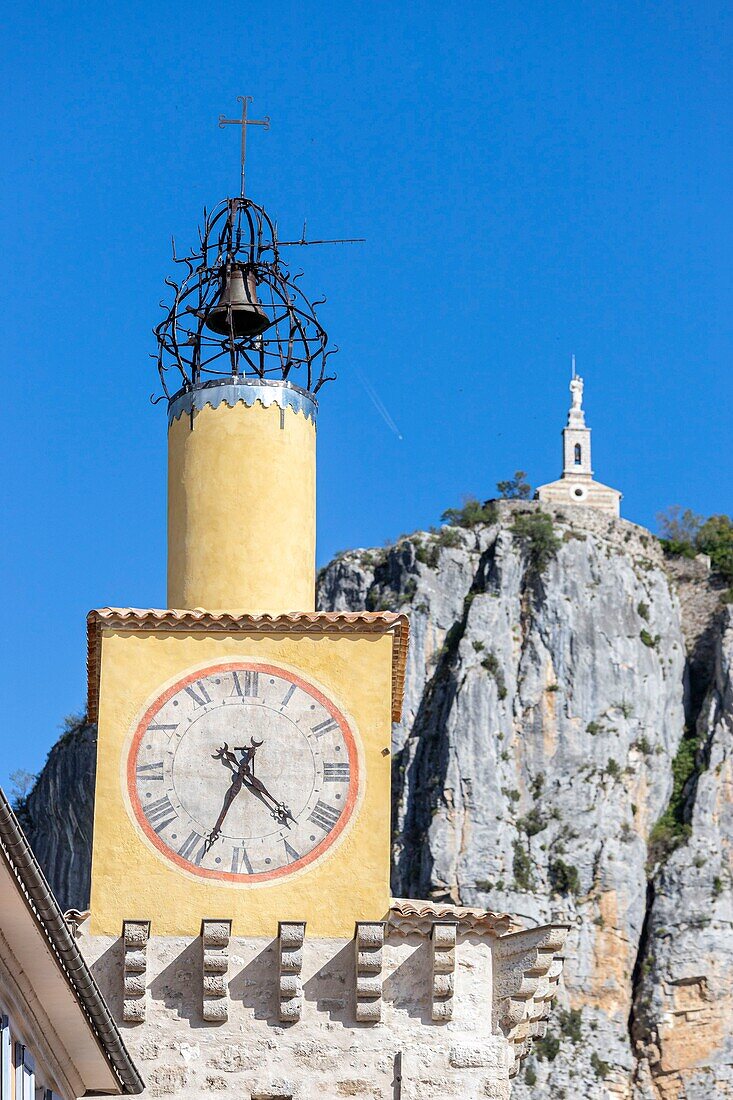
[237,311]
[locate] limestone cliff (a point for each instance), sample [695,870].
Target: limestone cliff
[683,1010]
[58,815]
[551,687]
[565,753]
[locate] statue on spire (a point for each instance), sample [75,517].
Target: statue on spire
[576,389]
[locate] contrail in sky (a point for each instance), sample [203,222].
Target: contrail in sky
[379,404]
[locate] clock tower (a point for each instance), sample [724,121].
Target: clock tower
[241,923]
[244,739]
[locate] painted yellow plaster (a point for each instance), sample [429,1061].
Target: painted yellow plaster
[351,882]
[242,510]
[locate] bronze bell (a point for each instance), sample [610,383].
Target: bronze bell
[238,310]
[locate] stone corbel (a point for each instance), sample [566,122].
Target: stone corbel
[135,936]
[215,936]
[290,937]
[443,952]
[368,943]
[527,967]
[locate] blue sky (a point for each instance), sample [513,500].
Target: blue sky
[533,180]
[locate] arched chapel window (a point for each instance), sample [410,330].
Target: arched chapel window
[578,455]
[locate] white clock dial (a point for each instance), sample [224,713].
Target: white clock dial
[243,772]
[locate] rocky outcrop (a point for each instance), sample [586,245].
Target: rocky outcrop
[683,1010]
[549,687]
[59,813]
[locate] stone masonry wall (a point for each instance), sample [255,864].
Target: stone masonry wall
[327,1054]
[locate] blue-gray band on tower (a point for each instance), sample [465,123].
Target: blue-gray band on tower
[233,390]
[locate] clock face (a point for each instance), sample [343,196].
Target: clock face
[242,772]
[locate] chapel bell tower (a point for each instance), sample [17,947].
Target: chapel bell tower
[576,484]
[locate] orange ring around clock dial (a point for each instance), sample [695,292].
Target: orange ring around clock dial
[259,876]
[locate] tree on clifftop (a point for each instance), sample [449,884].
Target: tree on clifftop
[515,488]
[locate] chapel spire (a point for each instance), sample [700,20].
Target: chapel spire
[576,485]
[576,436]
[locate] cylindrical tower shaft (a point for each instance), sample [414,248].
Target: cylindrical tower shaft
[241,498]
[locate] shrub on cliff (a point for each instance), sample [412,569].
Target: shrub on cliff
[679,528]
[673,827]
[538,535]
[685,534]
[715,538]
[471,514]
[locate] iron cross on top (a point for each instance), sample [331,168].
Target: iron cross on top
[244,122]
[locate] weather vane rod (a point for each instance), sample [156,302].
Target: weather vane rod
[244,122]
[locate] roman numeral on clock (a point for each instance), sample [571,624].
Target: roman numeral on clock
[291,853]
[240,859]
[245,683]
[336,773]
[324,727]
[158,727]
[198,693]
[186,849]
[160,813]
[324,816]
[288,695]
[150,771]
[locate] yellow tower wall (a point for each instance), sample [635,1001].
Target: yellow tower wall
[350,883]
[242,501]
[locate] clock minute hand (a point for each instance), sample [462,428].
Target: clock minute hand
[278,809]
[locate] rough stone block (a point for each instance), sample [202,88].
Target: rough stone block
[166,1080]
[216,1012]
[369,985]
[133,1011]
[233,1058]
[443,953]
[215,985]
[135,985]
[290,935]
[135,935]
[291,1010]
[368,941]
[470,1057]
[215,936]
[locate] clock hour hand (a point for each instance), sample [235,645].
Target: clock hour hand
[228,799]
[229,760]
[243,776]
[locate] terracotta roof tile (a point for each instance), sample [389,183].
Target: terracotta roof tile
[329,622]
[407,916]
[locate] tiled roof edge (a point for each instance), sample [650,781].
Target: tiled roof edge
[44,909]
[407,916]
[134,619]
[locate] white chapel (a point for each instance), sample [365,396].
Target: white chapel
[576,484]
